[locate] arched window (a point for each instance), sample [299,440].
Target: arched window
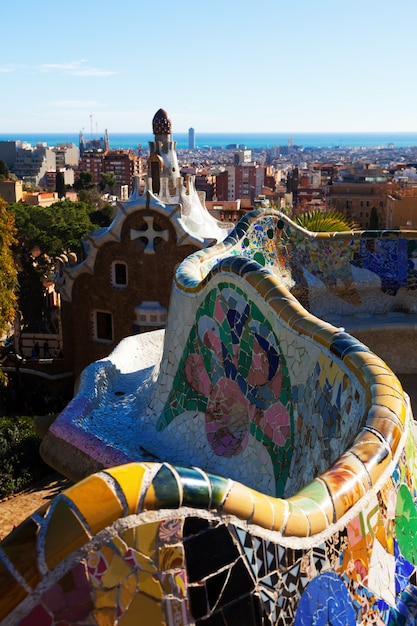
[119,276]
[103,326]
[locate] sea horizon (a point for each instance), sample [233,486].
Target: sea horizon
[222,140]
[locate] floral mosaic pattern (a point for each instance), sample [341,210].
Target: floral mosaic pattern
[234,371]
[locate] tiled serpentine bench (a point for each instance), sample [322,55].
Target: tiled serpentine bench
[254,464]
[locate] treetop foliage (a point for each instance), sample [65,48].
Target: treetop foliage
[8,271]
[4,170]
[56,228]
[328,221]
[43,233]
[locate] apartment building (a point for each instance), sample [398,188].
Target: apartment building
[91,161]
[32,164]
[50,177]
[241,182]
[124,165]
[402,203]
[66,155]
[8,150]
[359,191]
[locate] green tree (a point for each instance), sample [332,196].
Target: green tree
[108,181]
[92,197]
[328,221]
[43,233]
[4,170]
[8,271]
[374,219]
[102,217]
[55,228]
[84,181]
[60,185]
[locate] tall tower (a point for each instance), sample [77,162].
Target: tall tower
[191,138]
[81,143]
[163,162]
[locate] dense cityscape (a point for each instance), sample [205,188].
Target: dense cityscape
[233,178]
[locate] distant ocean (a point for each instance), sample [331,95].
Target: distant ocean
[215,140]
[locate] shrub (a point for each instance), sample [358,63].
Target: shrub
[20,461]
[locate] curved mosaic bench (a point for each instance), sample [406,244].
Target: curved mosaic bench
[325,535]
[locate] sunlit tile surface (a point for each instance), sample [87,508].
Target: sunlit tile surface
[272,461]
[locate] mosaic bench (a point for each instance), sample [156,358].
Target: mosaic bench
[254,465]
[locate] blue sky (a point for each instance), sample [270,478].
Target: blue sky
[223,65]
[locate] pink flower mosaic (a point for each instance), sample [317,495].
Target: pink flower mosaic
[235,373]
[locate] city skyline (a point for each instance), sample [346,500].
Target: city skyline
[230,68]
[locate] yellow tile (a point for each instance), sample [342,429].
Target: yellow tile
[305,326]
[105,616]
[97,502]
[396,405]
[20,548]
[11,592]
[263,510]
[334,373]
[373,453]
[368,361]
[383,390]
[171,557]
[150,501]
[256,278]
[149,610]
[347,481]
[390,380]
[317,518]
[315,495]
[118,545]
[116,573]
[284,309]
[145,562]
[280,507]
[324,336]
[322,377]
[297,523]
[65,533]
[107,552]
[267,284]
[150,585]
[130,479]
[391,431]
[129,536]
[128,590]
[98,562]
[239,502]
[378,412]
[173,583]
[106,598]
[146,535]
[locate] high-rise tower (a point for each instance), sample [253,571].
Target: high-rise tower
[191,138]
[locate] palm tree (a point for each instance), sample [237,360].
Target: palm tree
[328,221]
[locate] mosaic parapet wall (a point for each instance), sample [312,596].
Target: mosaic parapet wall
[308,416]
[372,271]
